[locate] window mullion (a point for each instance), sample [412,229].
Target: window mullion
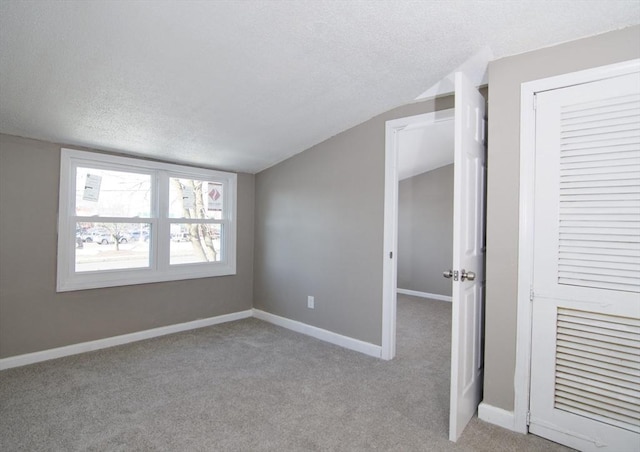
[162,238]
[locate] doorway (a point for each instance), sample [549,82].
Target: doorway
[425,238]
[467,263]
[425,208]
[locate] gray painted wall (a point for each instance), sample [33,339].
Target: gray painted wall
[425,231]
[505,77]
[319,224]
[34,317]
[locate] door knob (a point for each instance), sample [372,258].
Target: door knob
[467,275]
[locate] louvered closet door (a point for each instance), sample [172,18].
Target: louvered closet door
[585,368]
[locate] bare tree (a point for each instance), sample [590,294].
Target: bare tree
[199,234]
[204,229]
[117,231]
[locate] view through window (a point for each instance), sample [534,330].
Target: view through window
[127,221]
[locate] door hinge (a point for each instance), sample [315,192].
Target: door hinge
[528,417]
[531,294]
[390,254]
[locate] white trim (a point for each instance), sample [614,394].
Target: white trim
[390,238]
[526,219]
[525,260]
[496,416]
[45,355]
[390,242]
[432,296]
[324,335]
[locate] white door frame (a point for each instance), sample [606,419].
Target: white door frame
[526,219]
[390,241]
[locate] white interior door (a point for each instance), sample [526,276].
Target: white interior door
[468,255]
[585,356]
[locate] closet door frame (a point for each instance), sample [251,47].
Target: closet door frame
[528,91]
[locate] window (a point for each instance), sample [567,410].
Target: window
[130,221]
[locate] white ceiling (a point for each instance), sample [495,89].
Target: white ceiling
[242,85]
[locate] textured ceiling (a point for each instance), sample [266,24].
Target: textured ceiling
[242,85]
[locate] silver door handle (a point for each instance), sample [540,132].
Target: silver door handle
[467,275]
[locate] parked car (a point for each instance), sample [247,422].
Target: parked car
[94,235]
[103,237]
[123,237]
[139,236]
[181,237]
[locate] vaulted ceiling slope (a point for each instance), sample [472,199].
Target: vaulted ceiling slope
[242,85]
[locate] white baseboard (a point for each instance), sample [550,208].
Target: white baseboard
[497,416]
[45,355]
[433,296]
[74,349]
[324,335]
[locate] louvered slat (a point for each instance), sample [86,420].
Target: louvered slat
[597,371]
[600,105]
[597,355]
[614,342]
[619,349]
[627,187]
[626,376]
[622,328]
[568,392]
[596,348]
[586,315]
[587,157]
[609,172]
[599,217]
[621,273]
[613,144]
[621,371]
[619,181]
[588,228]
[624,111]
[602,141]
[628,409]
[598,284]
[584,134]
[624,115]
[600,237]
[612,392]
[586,255]
[574,378]
[595,264]
[600,197]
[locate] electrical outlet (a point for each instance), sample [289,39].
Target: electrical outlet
[310,302]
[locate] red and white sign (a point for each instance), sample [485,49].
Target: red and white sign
[214,198]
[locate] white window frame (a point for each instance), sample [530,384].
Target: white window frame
[159,267]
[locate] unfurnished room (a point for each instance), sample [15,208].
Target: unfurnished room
[320,225]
